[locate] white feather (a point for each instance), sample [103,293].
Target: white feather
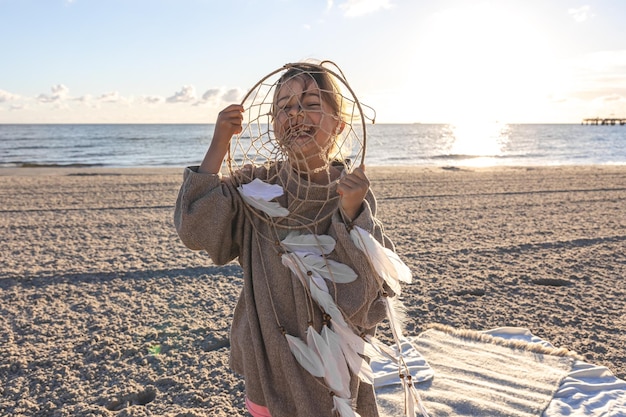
[382,349]
[343,407]
[326,303]
[261,190]
[292,262]
[404,272]
[395,315]
[334,344]
[258,194]
[385,261]
[320,282]
[353,361]
[327,268]
[317,287]
[317,244]
[338,383]
[271,208]
[354,341]
[305,356]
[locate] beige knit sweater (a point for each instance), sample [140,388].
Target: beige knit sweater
[210,215]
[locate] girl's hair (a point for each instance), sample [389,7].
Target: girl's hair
[330,93]
[257,144]
[329,88]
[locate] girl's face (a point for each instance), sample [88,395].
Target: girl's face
[305,125]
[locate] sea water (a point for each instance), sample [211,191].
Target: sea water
[170,145]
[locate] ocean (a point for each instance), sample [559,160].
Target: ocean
[170,145]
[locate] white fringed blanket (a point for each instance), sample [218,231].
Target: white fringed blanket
[476,374]
[587,389]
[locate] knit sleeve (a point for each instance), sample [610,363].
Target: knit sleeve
[361,299]
[206,215]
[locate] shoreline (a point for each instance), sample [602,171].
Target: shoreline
[106,308]
[160,170]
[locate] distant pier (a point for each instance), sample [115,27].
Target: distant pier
[604,121]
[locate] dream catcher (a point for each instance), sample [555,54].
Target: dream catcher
[303,130]
[306,118]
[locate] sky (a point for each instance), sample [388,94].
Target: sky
[413,61]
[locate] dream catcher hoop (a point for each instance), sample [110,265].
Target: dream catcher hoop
[305,120]
[261,144]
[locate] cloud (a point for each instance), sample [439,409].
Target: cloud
[152,99]
[185,95]
[17,107]
[88,100]
[83,99]
[219,96]
[356,8]
[613,97]
[210,94]
[44,98]
[60,90]
[612,105]
[59,93]
[601,73]
[110,97]
[559,99]
[232,95]
[5,96]
[580,14]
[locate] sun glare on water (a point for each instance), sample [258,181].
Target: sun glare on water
[477,144]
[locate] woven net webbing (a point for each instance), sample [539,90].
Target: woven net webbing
[304,123]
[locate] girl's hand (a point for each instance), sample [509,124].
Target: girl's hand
[228,123]
[352,188]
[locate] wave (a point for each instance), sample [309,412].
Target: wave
[456,156]
[47,165]
[459,157]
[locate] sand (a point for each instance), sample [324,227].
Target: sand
[105,313]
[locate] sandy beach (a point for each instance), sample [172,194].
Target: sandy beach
[105,313]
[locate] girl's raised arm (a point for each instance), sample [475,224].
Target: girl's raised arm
[228,124]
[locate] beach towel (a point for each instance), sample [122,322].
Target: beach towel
[474,374]
[498,372]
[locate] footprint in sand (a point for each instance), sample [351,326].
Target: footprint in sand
[475,292]
[139,398]
[552,282]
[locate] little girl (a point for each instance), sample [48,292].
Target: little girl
[278,310]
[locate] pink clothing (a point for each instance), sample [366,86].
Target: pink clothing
[256,410]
